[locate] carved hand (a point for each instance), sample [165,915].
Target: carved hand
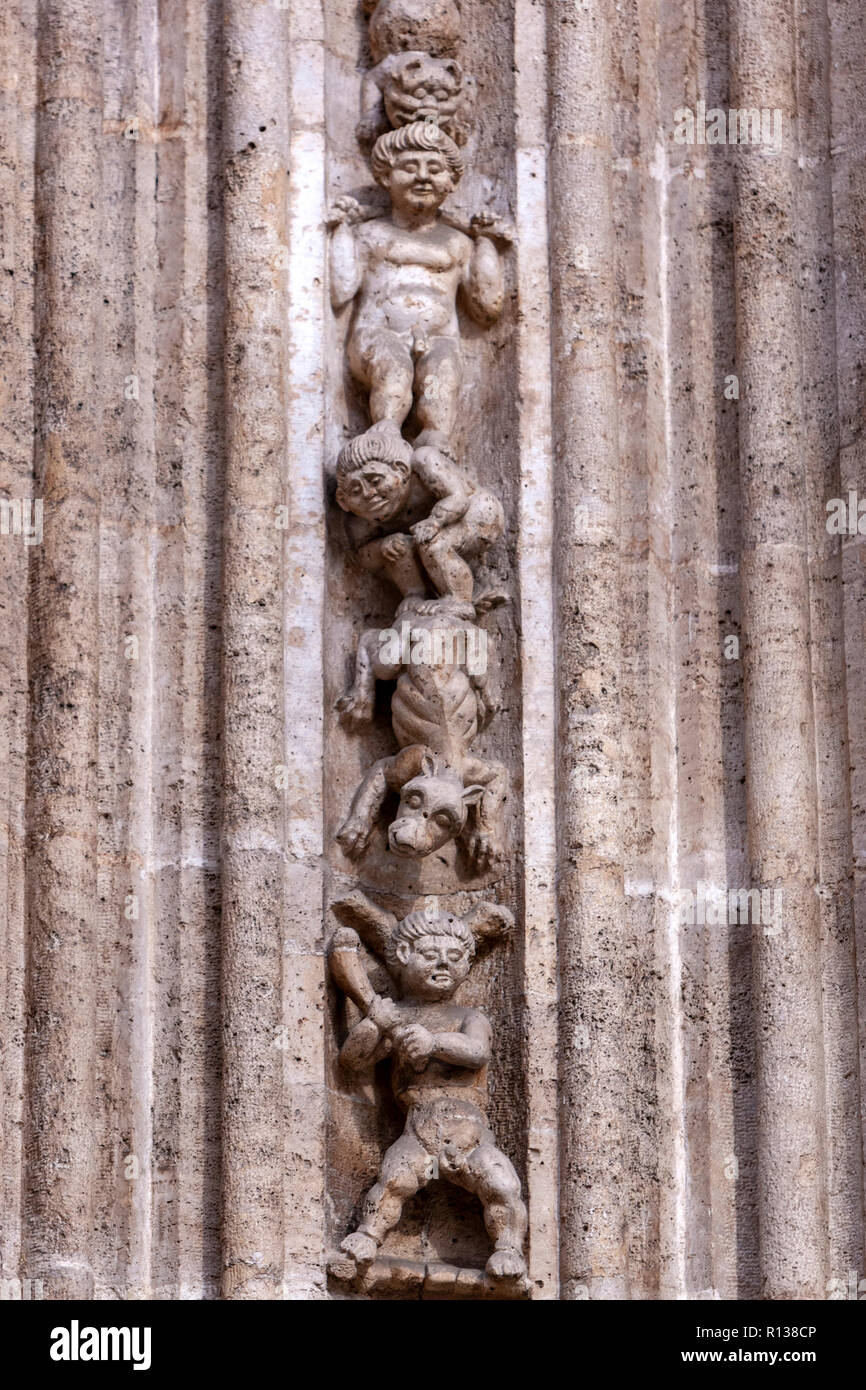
[415,1041]
[426,530]
[396,547]
[484,851]
[353,836]
[346,209]
[384,1013]
[489,225]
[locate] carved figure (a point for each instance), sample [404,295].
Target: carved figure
[439,1050]
[387,487]
[407,87]
[429,25]
[406,270]
[446,791]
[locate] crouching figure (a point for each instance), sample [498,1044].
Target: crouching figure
[439,1052]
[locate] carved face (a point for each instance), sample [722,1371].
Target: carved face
[420,88]
[376,491]
[432,811]
[433,966]
[419,180]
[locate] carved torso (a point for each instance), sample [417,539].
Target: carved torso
[412,278]
[438,1080]
[435,705]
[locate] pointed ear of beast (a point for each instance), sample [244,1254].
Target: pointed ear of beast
[472,795]
[429,765]
[372,923]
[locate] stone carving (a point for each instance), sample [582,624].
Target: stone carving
[388,486]
[407,87]
[415,516]
[439,1052]
[446,792]
[430,26]
[406,270]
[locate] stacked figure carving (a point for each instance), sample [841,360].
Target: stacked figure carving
[416,516]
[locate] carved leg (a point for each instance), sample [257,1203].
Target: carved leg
[450,574]
[364,811]
[489,1174]
[357,704]
[438,377]
[406,1167]
[482,834]
[383,363]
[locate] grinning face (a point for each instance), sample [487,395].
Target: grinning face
[419,181]
[376,491]
[422,89]
[433,966]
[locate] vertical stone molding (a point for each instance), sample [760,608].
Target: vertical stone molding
[586,541]
[63,654]
[255,139]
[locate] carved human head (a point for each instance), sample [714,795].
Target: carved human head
[373,473]
[418,164]
[431,953]
[433,809]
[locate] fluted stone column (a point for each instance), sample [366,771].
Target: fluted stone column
[683,1100]
[62,807]
[779,710]
[586,557]
[255,138]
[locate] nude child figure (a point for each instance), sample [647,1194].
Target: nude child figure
[405,272]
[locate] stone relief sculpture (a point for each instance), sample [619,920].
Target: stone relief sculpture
[416,75]
[415,516]
[439,1050]
[445,792]
[406,271]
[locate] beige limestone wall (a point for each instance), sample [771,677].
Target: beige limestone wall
[683,1100]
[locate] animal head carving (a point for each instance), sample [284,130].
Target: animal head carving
[417,87]
[433,809]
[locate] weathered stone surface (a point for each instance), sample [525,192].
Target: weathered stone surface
[645,400]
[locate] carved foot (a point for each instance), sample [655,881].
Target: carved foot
[506,1264]
[352,837]
[485,600]
[362,1248]
[354,709]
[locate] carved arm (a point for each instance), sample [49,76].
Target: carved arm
[471,1048]
[483,282]
[345,256]
[447,484]
[364,1046]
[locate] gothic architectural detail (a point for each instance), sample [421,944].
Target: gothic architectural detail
[416,517]
[439,1052]
[629,421]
